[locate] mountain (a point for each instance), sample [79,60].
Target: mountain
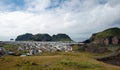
[43,37]
[106,37]
[61,37]
[24,37]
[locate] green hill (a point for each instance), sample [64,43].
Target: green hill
[61,37]
[24,37]
[106,37]
[43,37]
[109,32]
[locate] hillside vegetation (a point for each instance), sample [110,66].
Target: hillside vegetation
[55,61]
[109,32]
[106,37]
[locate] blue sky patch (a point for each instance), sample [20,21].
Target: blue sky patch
[15,4]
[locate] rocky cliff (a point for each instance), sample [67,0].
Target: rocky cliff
[106,37]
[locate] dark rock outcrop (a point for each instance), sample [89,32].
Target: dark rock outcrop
[113,58]
[43,37]
[106,37]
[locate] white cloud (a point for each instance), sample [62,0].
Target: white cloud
[37,5]
[78,18]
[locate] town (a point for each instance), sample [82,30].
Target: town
[36,47]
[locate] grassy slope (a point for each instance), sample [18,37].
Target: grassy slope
[109,32]
[58,61]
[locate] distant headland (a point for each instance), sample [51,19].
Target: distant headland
[43,37]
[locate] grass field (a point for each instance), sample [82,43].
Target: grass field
[55,61]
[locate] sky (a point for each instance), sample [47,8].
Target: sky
[77,18]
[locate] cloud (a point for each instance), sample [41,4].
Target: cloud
[37,5]
[78,18]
